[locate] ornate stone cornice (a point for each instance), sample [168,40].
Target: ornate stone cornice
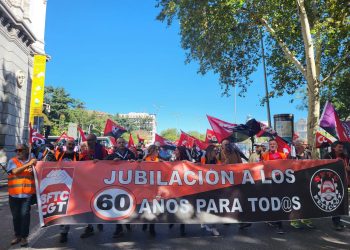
[15,27]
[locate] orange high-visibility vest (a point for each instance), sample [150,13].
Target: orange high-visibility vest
[22,183]
[152,158]
[266,156]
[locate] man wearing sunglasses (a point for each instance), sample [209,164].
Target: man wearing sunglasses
[21,187]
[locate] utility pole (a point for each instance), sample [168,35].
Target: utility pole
[265,78]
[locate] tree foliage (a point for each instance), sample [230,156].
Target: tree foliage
[307,43]
[66,109]
[224,36]
[171,134]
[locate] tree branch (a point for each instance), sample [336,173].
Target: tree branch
[284,47]
[335,69]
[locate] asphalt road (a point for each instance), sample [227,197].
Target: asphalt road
[259,236]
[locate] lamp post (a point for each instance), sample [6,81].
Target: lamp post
[265,79]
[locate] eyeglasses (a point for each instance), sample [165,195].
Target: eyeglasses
[120,142]
[18,150]
[70,144]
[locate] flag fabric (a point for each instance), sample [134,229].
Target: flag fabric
[330,122]
[131,142]
[221,128]
[35,138]
[63,136]
[82,134]
[164,142]
[140,139]
[323,138]
[113,129]
[190,141]
[282,145]
[210,137]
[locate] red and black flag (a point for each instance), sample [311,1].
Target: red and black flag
[113,129]
[164,142]
[221,128]
[35,138]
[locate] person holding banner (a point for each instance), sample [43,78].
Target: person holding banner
[152,156]
[68,155]
[21,188]
[300,154]
[271,155]
[211,153]
[181,154]
[95,152]
[338,153]
[121,153]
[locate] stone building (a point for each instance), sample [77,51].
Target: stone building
[22,29]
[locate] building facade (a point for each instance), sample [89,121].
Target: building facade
[145,122]
[22,29]
[300,128]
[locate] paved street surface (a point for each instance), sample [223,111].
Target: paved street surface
[259,236]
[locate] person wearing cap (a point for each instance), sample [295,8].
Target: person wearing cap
[21,188]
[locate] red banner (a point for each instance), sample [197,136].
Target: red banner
[182,192]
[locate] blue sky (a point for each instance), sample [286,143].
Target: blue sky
[118,58]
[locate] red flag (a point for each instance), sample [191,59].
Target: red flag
[210,136]
[164,142]
[113,129]
[140,139]
[189,141]
[35,137]
[282,145]
[64,136]
[221,128]
[295,136]
[82,134]
[131,142]
[114,143]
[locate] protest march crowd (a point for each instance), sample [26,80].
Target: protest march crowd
[220,150]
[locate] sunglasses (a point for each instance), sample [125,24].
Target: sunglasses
[18,150]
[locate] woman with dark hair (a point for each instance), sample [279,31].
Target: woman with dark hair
[181,154]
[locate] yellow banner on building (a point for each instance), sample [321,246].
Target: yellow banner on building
[38,81]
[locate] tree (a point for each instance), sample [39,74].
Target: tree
[197,135]
[171,134]
[224,36]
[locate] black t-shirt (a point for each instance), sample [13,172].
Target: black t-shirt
[124,156]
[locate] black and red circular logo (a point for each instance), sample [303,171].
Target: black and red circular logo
[326,189]
[113,203]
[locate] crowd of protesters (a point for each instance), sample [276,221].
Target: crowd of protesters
[22,187]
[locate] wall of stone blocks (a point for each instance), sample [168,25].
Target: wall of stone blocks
[14,101]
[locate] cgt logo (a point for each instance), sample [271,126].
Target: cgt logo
[113,203]
[327,190]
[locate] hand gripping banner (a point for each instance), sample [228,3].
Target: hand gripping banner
[183,192]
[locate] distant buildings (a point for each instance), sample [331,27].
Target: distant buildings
[300,128]
[145,122]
